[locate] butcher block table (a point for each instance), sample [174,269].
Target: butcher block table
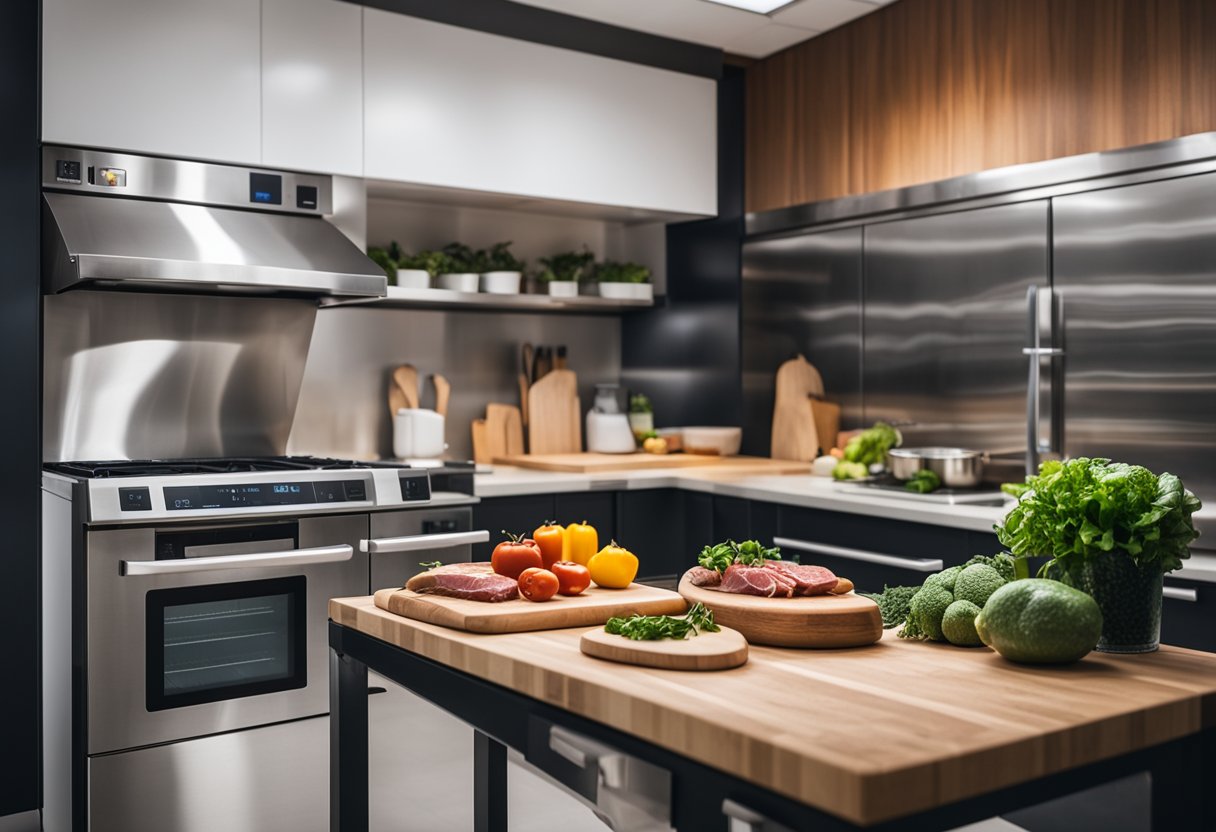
[896,735]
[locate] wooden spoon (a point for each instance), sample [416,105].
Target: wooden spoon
[443,392]
[406,378]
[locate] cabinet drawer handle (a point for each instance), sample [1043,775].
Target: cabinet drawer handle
[1180,593]
[423,542]
[915,564]
[744,819]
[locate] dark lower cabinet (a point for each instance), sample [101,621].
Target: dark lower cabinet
[518,515]
[595,507]
[1188,614]
[652,525]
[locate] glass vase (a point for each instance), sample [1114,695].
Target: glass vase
[1130,599]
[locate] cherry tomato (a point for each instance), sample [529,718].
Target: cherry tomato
[573,577]
[514,555]
[538,584]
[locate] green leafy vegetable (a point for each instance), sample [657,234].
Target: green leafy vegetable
[924,481]
[747,553]
[699,619]
[893,602]
[846,470]
[1085,508]
[870,446]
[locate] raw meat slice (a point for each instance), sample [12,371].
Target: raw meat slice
[756,580]
[808,580]
[471,581]
[700,576]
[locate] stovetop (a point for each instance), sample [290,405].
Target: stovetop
[891,487]
[225,465]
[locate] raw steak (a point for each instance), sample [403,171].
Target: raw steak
[756,580]
[700,576]
[808,580]
[472,581]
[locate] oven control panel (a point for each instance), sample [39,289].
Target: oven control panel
[261,494]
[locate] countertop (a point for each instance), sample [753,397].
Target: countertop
[793,490]
[867,734]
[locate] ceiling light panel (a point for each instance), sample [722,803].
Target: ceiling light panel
[757,6]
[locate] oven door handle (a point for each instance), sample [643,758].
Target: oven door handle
[260,560]
[423,542]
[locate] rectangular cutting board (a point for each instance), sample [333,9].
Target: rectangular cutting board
[593,607]
[589,463]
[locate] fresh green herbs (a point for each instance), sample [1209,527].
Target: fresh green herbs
[430,564]
[894,602]
[924,481]
[870,446]
[749,553]
[699,619]
[1083,508]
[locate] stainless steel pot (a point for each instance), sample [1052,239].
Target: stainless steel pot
[957,467]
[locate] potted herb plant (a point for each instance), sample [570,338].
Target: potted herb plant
[641,415]
[562,272]
[414,271]
[380,256]
[501,271]
[460,268]
[624,281]
[1110,529]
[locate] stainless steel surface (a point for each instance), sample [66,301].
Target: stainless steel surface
[239,563]
[1040,332]
[628,794]
[57,669]
[117,627]
[1037,180]
[140,376]
[100,242]
[915,564]
[1180,593]
[944,323]
[177,180]
[405,298]
[1135,270]
[743,819]
[943,496]
[261,780]
[354,351]
[423,542]
[955,467]
[30,821]
[801,295]
[394,568]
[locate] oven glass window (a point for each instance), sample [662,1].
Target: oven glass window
[210,643]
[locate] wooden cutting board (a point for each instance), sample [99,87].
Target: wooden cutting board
[504,430]
[589,463]
[794,435]
[594,607]
[817,621]
[826,416]
[554,417]
[706,651]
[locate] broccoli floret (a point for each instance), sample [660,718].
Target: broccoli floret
[958,624]
[945,579]
[976,583]
[928,608]
[893,602]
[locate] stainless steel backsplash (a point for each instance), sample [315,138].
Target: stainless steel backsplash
[137,376]
[343,409]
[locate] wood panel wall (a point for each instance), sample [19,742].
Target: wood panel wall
[927,89]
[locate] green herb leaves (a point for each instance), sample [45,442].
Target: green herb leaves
[924,481]
[748,553]
[1084,508]
[699,619]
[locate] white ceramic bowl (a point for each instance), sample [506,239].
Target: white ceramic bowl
[413,279]
[563,288]
[501,283]
[458,281]
[714,441]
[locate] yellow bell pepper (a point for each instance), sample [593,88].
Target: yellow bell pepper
[582,542]
[613,567]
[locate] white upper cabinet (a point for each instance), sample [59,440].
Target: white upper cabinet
[457,108]
[312,86]
[174,77]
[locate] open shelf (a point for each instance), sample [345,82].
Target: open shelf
[399,297]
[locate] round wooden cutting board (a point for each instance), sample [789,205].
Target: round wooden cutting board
[706,651]
[817,621]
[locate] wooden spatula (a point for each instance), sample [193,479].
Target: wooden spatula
[443,392]
[406,378]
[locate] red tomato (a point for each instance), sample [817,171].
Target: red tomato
[514,555]
[538,584]
[573,577]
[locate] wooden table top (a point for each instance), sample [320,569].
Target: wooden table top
[867,734]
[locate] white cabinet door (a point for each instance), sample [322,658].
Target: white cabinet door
[174,77]
[453,107]
[312,85]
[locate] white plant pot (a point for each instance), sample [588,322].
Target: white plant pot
[501,283]
[563,288]
[627,291]
[458,281]
[413,278]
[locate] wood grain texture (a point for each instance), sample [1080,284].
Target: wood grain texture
[794,434]
[554,414]
[706,651]
[826,416]
[818,621]
[868,733]
[592,463]
[922,90]
[593,607]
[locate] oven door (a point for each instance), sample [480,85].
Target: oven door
[401,541]
[197,630]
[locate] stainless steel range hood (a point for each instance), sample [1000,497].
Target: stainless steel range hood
[113,220]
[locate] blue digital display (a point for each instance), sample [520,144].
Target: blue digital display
[266,188]
[263,196]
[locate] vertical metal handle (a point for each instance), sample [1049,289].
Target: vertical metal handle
[1035,352]
[745,819]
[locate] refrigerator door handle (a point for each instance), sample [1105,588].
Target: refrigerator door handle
[1039,306]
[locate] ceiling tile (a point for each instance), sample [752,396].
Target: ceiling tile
[768,39]
[692,20]
[821,14]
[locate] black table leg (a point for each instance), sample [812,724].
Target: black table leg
[1182,785]
[489,784]
[348,744]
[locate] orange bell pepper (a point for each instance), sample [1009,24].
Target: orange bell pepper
[551,539]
